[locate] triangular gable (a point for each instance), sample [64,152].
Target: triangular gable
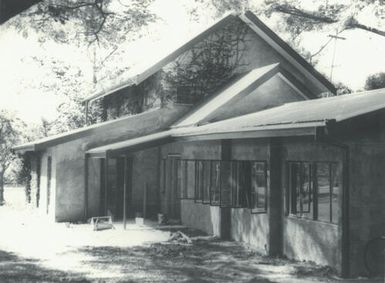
[228,103]
[257,26]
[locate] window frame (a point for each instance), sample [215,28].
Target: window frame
[255,209]
[314,190]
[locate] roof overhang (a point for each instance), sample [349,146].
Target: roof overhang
[130,145]
[268,131]
[196,134]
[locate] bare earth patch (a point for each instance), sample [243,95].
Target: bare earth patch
[33,250]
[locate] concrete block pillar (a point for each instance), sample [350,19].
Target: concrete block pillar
[225,212]
[275,197]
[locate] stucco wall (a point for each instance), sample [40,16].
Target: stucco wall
[273,92]
[366,140]
[94,186]
[308,239]
[68,158]
[245,226]
[196,215]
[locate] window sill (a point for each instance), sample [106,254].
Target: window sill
[299,218]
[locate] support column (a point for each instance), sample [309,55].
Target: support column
[86,157]
[225,215]
[125,193]
[106,182]
[275,197]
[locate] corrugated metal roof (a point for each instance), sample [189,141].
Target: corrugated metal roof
[297,114]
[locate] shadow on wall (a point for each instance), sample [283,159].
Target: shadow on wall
[17,269]
[312,241]
[252,229]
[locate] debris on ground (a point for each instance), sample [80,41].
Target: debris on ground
[180,237]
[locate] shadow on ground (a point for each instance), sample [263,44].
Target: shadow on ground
[203,261]
[17,269]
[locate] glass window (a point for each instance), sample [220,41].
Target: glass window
[206,181]
[190,176]
[314,190]
[258,187]
[215,183]
[336,187]
[198,180]
[323,191]
[226,184]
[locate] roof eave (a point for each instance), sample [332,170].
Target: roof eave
[247,134]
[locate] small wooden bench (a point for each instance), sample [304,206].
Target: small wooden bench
[102,223]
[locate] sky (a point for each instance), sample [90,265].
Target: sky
[359,55]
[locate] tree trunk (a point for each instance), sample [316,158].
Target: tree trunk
[1,188]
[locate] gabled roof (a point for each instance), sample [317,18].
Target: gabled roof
[242,87]
[292,119]
[303,114]
[256,25]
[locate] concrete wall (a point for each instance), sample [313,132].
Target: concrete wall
[306,239]
[94,186]
[273,92]
[247,227]
[69,157]
[366,140]
[196,215]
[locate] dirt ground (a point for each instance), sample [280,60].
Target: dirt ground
[34,250]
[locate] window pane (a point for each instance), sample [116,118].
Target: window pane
[235,184]
[162,175]
[198,180]
[215,182]
[306,191]
[226,184]
[190,179]
[258,187]
[179,183]
[336,188]
[206,181]
[323,185]
[294,185]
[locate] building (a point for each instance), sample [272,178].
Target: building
[231,140]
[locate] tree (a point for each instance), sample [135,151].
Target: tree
[295,18]
[10,135]
[101,21]
[375,81]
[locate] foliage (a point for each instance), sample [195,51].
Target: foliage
[11,132]
[375,81]
[208,65]
[295,18]
[342,89]
[101,21]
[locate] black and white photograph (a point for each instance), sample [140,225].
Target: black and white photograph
[192,141]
